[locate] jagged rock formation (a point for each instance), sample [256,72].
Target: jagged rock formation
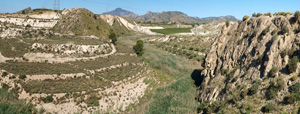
[254,50]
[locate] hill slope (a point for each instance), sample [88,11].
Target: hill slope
[253,62]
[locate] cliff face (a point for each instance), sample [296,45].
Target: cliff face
[255,50]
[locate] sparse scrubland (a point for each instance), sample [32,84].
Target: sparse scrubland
[75,61]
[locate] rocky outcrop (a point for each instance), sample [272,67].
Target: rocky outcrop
[247,51]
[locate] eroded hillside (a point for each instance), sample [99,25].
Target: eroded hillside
[63,62]
[253,62]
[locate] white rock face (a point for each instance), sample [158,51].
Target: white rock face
[110,19]
[46,15]
[41,23]
[70,49]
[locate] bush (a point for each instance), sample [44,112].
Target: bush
[295,88]
[269,107]
[297,14]
[22,77]
[48,99]
[265,31]
[254,33]
[227,23]
[294,78]
[4,74]
[139,48]
[273,71]
[295,94]
[254,88]
[254,15]
[274,32]
[5,86]
[259,14]
[283,53]
[245,17]
[260,59]
[298,30]
[113,37]
[225,71]
[292,65]
[249,22]
[268,14]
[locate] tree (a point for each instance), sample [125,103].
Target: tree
[113,37]
[139,48]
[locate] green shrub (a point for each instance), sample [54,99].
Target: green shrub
[113,37]
[297,14]
[268,14]
[139,47]
[249,22]
[269,107]
[294,78]
[298,30]
[245,17]
[292,98]
[274,32]
[295,94]
[284,30]
[260,59]
[191,48]
[292,65]
[273,71]
[283,53]
[22,77]
[254,33]
[265,31]
[4,74]
[254,15]
[259,14]
[225,71]
[295,88]
[272,92]
[48,99]
[227,23]
[5,86]
[253,90]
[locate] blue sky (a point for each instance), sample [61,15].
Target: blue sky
[199,8]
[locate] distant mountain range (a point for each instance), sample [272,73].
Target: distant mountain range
[167,17]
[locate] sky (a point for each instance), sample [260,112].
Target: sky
[194,8]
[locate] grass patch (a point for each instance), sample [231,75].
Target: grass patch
[13,47]
[177,97]
[172,30]
[106,62]
[9,104]
[64,85]
[38,68]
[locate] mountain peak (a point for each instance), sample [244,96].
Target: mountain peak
[119,12]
